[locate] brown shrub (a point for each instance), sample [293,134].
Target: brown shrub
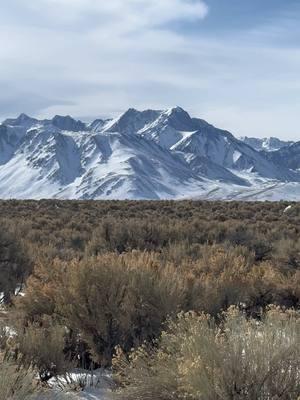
[197,359]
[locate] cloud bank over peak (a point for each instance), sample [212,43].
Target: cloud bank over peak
[235,63]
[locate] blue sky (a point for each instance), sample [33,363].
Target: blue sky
[235,63]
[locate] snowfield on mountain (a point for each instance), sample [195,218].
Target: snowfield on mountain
[141,155]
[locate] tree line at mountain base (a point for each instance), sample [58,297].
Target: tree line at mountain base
[142,286]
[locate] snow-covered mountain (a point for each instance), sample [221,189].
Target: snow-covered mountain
[266,144]
[149,154]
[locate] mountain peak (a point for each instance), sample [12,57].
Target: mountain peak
[175,110]
[97,124]
[67,123]
[131,110]
[179,119]
[22,119]
[130,113]
[132,120]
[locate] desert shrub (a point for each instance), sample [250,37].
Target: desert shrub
[287,253]
[114,299]
[70,229]
[124,299]
[15,265]
[42,346]
[41,290]
[133,234]
[241,235]
[111,272]
[15,383]
[223,276]
[108,300]
[197,359]
[220,277]
[97,299]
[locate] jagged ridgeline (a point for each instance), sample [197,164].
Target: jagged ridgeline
[150,154]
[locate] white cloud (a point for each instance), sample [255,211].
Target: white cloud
[94,58]
[128,15]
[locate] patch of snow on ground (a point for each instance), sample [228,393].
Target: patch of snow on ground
[98,386]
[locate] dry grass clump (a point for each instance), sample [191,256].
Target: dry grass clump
[196,359]
[15,383]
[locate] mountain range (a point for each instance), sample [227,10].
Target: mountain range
[151,154]
[266,144]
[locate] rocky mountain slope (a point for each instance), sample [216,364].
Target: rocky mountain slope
[288,156]
[149,154]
